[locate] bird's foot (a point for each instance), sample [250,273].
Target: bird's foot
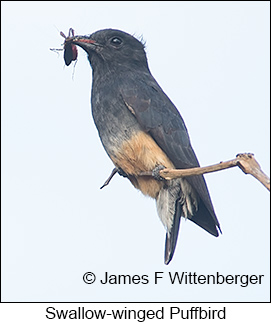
[156,173]
[122,173]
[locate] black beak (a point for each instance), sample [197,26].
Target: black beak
[84,42]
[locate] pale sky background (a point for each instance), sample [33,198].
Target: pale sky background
[213,61]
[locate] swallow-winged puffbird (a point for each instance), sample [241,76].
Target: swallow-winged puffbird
[142,131]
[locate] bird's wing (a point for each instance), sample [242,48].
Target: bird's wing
[158,116]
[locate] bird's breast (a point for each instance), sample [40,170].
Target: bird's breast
[127,144]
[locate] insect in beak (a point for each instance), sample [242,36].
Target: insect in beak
[70,50]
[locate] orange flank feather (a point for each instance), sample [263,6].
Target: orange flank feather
[141,154]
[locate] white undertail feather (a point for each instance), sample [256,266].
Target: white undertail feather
[177,189]
[188,199]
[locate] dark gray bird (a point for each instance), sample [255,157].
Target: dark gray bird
[141,130]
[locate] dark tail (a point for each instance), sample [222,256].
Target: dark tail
[172,235]
[181,199]
[206,220]
[202,218]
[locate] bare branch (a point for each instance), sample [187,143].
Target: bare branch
[246,162]
[114,171]
[172,173]
[249,165]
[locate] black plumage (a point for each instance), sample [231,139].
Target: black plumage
[131,113]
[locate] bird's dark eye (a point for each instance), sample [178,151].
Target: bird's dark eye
[116,41]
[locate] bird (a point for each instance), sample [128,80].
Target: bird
[141,130]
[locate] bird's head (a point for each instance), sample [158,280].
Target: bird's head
[112,48]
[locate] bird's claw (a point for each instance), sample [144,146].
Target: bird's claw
[122,173]
[156,173]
